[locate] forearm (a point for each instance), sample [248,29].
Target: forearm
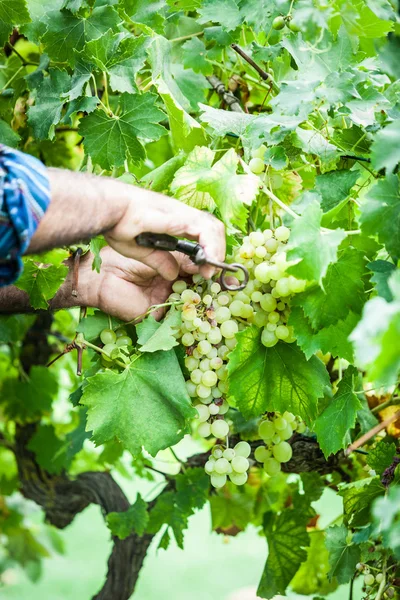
[82,206]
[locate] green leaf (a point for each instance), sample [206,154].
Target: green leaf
[110,140]
[168,510]
[287,539]
[339,417]
[231,508]
[224,122]
[46,113]
[382,270]
[184,185]
[41,281]
[334,187]
[145,405]
[279,378]
[135,519]
[28,400]
[385,150]
[192,488]
[343,555]
[361,21]
[358,497]
[386,514]
[312,142]
[8,135]
[380,213]
[313,250]
[92,325]
[148,12]
[232,193]
[153,336]
[312,575]
[186,132]
[225,12]
[342,291]
[96,244]
[12,13]
[194,57]
[49,450]
[381,456]
[160,178]
[14,327]
[67,32]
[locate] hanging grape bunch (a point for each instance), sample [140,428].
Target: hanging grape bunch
[275,431]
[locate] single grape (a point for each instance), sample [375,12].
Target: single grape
[191,363]
[214,409]
[278,23]
[280,423]
[256,165]
[259,152]
[204,347]
[268,303]
[209,467]
[222,373]
[187,339]
[213,353]
[222,314]
[196,299]
[191,389]
[379,578]
[247,251]
[256,296]
[256,238]
[108,336]
[247,311]
[240,464]
[111,350]
[282,233]
[196,376]
[277,438]
[242,449]
[216,363]
[301,427]
[261,454]
[209,378]
[207,300]
[223,386]
[282,332]
[187,295]
[238,478]
[197,322]
[220,429]
[286,433]
[207,400]
[189,313]
[261,272]
[124,340]
[221,466]
[218,481]
[203,412]
[272,467]
[214,336]
[266,430]
[293,26]
[179,286]
[215,288]
[120,332]
[260,252]
[223,351]
[288,416]
[282,452]
[271,326]
[271,245]
[268,338]
[223,299]
[224,407]
[236,308]
[243,297]
[359,566]
[203,391]
[229,329]
[204,365]
[204,430]
[204,327]
[369,579]
[229,454]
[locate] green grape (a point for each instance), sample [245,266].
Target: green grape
[293,26]
[238,478]
[187,339]
[223,386]
[218,481]
[187,295]
[266,430]
[223,299]
[282,452]
[204,347]
[369,579]
[282,233]
[108,336]
[207,400]
[229,329]
[278,23]
[268,234]
[247,311]
[179,286]
[204,365]
[220,429]
[203,412]
[286,433]
[124,340]
[296,285]
[221,466]
[214,409]
[256,165]
[204,430]
[214,336]
[223,351]
[272,467]
[203,391]
[259,152]
[268,338]
[209,467]
[207,300]
[236,308]
[260,318]
[196,376]
[216,363]
[120,332]
[242,449]
[212,354]
[209,378]
[204,327]
[274,317]
[197,322]
[189,313]
[240,464]
[261,272]
[268,303]
[301,427]
[283,287]
[217,452]
[191,363]
[223,408]
[282,332]
[229,454]
[271,326]
[280,424]
[222,314]
[261,454]
[256,238]
[222,373]
[243,297]
[288,416]
[215,288]
[276,439]
[191,389]
[256,296]
[110,350]
[379,578]
[271,245]
[260,252]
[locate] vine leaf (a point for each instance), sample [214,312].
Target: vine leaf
[232,193]
[225,12]
[27,400]
[380,213]
[12,13]
[339,417]
[231,508]
[194,57]
[50,451]
[312,574]
[386,515]
[381,456]
[154,336]
[312,142]
[41,280]
[385,151]
[135,519]
[334,188]
[110,140]
[46,113]
[287,538]
[145,405]
[279,378]
[358,497]
[343,555]
[184,185]
[382,270]
[313,250]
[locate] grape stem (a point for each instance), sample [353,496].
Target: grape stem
[178,460]
[382,584]
[370,434]
[153,308]
[101,351]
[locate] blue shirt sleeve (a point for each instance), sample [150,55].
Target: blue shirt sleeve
[24,198]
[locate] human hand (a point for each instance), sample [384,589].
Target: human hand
[149,211]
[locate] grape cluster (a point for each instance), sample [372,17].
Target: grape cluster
[265,300]
[229,462]
[114,342]
[275,431]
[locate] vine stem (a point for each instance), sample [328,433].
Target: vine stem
[13,77]
[371,433]
[152,309]
[390,402]
[382,585]
[176,457]
[186,37]
[101,351]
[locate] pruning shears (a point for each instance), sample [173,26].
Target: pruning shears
[162,241]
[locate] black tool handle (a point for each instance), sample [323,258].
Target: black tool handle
[163,241]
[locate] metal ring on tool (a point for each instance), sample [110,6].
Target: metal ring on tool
[234,287]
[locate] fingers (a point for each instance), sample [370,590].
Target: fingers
[164,263]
